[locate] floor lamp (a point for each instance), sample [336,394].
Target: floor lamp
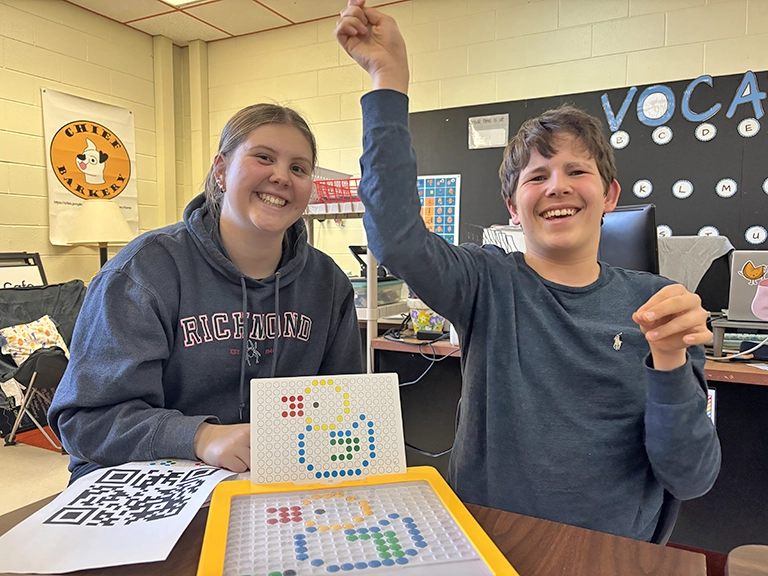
[100,222]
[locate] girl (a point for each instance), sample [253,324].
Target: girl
[174,327]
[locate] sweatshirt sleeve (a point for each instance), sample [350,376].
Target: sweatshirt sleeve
[345,350]
[109,406]
[681,441]
[396,233]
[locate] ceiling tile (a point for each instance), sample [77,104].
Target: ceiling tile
[215,19]
[303,10]
[179,27]
[123,11]
[238,16]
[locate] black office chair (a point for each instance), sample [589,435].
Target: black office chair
[670,510]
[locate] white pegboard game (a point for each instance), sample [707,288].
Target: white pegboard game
[325,428]
[401,527]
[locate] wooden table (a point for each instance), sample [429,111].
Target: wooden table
[534,547]
[735,372]
[749,560]
[715,371]
[412,345]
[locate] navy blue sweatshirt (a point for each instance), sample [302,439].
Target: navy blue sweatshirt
[160,346]
[562,416]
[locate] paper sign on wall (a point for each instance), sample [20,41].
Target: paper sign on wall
[90,153]
[488,131]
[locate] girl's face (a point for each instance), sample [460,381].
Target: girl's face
[267,180]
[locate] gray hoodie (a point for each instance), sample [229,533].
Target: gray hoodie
[160,346]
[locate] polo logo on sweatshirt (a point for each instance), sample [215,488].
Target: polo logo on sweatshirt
[223,326]
[617,341]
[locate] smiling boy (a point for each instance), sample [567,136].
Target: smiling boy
[558,421]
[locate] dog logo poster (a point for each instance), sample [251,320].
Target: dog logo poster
[90,149]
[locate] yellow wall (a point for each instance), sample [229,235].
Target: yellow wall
[465,52]
[462,52]
[53,44]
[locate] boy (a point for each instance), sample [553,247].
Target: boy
[583,387]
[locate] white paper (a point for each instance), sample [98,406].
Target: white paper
[111,517]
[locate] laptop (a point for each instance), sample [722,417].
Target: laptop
[748,269]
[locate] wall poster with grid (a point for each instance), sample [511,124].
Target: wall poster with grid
[439,197]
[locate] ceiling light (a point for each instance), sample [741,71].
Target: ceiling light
[182,3]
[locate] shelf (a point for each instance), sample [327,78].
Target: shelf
[381,311]
[333,216]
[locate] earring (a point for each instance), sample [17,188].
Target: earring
[220,185]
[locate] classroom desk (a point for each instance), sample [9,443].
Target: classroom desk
[730,515]
[747,560]
[534,547]
[734,372]
[715,371]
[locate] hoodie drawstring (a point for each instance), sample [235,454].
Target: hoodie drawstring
[277,315]
[246,329]
[244,347]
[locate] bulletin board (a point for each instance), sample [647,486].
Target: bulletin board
[695,148]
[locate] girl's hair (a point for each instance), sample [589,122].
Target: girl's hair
[239,127]
[541,133]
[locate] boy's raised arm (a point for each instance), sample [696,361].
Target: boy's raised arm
[396,233]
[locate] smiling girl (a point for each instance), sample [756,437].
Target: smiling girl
[174,326]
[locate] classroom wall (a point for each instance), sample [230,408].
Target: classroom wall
[462,52]
[466,52]
[53,44]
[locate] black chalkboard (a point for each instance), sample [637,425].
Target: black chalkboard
[440,139]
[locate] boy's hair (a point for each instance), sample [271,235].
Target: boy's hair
[540,134]
[239,127]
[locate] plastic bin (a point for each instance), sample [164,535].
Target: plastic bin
[389,292]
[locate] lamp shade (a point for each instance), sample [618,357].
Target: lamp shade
[100,222]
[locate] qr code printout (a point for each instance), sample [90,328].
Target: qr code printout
[124,496]
[116,516]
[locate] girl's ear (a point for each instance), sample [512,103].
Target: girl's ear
[219,167]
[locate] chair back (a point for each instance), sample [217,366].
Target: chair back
[61,302]
[628,238]
[670,510]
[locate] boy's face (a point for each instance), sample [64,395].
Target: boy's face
[560,202]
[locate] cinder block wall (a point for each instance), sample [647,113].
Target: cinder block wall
[53,44]
[466,52]
[462,52]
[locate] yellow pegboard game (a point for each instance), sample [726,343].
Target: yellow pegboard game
[330,491]
[408,524]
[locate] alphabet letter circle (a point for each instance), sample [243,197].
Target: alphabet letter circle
[726,188]
[682,189]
